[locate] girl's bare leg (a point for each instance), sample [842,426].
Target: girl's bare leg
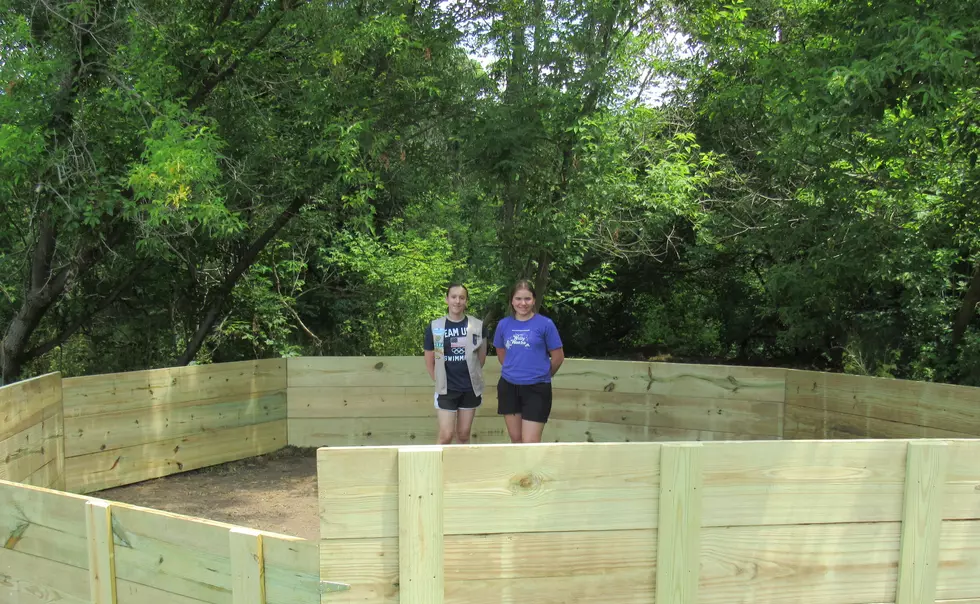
[513,422]
[531,431]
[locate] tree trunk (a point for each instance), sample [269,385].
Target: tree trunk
[245,262]
[43,288]
[966,311]
[542,278]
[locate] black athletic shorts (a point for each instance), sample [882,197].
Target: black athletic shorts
[455,400]
[532,402]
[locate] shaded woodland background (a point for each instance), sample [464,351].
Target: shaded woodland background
[769,182]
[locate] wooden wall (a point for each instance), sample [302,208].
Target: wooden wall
[340,401]
[72,549]
[831,405]
[822,522]
[128,427]
[31,432]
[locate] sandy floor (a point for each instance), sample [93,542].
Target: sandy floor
[275,492]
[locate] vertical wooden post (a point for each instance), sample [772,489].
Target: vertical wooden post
[247,566]
[679,526]
[922,519]
[101,552]
[420,525]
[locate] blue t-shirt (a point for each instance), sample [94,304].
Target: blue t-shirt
[527,344]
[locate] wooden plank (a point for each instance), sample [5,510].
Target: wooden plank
[568,431]
[554,590]
[683,412]
[247,566]
[26,452]
[958,575]
[420,525]
[116,392]
[962,498]
[358,492]
[827,563]
[347,432]
[791,482]
[23,404]
[379,371]
[107,469]
[47,476]
[44,524]
[184,556]
[110,431]
[556,487]
[809,423]
[366,401]
[26,579]
[921,522]
[607,566]
[292,570]
[710,381]
[941,406]
[101,552]
[674,379]
[816,564]
[679,527]
[369,566]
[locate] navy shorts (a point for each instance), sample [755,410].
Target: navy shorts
[532,401]
[454,400]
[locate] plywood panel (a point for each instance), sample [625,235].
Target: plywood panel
[810,423]
[940,406]
[107,469]
[110,431]
[117,392]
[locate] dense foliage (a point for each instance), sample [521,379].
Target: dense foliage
[779,182]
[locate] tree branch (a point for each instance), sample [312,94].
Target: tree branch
[245,262]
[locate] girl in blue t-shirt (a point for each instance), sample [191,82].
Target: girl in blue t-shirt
[530,352]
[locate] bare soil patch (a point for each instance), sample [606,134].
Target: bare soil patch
[275,492]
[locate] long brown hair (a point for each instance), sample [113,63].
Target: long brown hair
[521,284]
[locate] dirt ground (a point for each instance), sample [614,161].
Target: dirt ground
[275,492]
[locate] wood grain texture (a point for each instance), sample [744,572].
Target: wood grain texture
[922,518]
[97,471]
[679,526]
[818,424]
[139,390]
[420,525]
[247,566]
[134,427]
[101,552]
[926,404]
[796,482]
